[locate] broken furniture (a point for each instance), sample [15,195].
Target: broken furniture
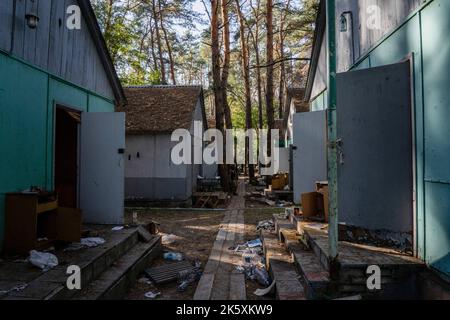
[209,199]
[208,185]
[34,221]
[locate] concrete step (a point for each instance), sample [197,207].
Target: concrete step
[113,283]
[281,268]
[282,225]
[315,278]
[288,285]
[92,262]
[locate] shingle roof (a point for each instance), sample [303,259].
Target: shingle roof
[297,96]
[160,109]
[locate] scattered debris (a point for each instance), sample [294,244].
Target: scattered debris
[43,260]
[268,225]
[262,276]
[168,239]
[266,291]
[168,272]
[254,243]
[17,288]
[152,295]
[92,242]
[85,243]
[188,277]
[120,228]
[173,256]
[145,280]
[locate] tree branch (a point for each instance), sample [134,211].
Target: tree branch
[280,61]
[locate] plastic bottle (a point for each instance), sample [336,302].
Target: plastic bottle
[173,256]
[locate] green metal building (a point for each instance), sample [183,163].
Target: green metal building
[51,76]
[392,41]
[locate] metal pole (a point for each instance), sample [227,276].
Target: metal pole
[332,134]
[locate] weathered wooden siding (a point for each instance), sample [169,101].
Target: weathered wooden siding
[69,54]
[392,14]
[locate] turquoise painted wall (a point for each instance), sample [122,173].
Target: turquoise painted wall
[27,99]
[425,36]
[320,102]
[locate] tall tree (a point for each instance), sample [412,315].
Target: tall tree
[255,37]
[269,62]
[168,44]
[246,76]
[159,44]
[282,77]
[217,84]
[226,61]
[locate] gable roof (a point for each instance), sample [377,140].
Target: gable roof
[297,97]
[319,33]
[102,49]
[161,109]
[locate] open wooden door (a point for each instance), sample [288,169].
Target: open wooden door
[102,167]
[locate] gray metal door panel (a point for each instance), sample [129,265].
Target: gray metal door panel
[102,167]
[309,151]
[375,174]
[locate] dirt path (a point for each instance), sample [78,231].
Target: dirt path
[220,280]
[195,233]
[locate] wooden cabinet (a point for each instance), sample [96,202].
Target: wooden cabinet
[34,221]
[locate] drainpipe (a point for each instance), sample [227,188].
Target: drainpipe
[13,26]
[333,143]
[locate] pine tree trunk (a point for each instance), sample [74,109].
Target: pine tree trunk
[226,62]
[269,69]
[169,47]
[248,99]
[158,42]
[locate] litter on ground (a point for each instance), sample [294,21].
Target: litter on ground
[43,260]
[152,295]
[168,239]
[173,256]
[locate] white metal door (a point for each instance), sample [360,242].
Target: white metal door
[102,167]
[309,151]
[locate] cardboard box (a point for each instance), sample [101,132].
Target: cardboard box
[322,188]
[326,202]
[279,181]
[312,204]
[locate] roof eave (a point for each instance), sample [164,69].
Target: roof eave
[319,34]
[102,50]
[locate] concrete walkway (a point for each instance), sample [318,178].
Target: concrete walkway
[220,280]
